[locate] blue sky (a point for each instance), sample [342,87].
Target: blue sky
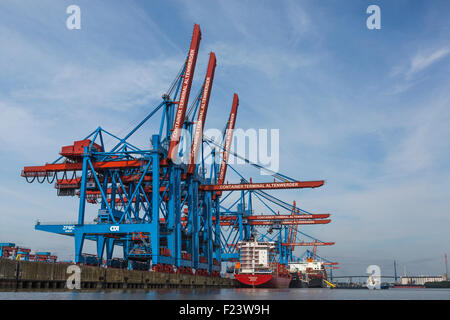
[366,110]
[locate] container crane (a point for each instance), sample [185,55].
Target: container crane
[159,210]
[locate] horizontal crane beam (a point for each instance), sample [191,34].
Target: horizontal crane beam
[283,222]
[32,171]
[308,244]
[263,186]
[279,217]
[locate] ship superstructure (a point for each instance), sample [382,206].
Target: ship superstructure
[255,256]
[257,266]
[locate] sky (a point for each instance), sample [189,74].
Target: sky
[366,110]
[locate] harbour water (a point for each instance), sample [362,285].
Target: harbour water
[233,294]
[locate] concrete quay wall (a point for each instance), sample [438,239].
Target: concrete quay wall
[39,275]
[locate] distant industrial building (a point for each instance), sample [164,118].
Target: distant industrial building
[420,280]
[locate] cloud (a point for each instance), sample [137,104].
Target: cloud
[422,61]
[387,220]
[272,62]
[299,20]
[118,86]
[20,129]
[54,79]
[423,147]
[254,38]
[411,73]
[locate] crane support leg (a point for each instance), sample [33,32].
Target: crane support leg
[109,250]
[209,231]
[100,247]
[217,231]
[79,241]
[154,225]
[177,249]
[82,206]
[193,218]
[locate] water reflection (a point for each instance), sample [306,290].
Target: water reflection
[232,294]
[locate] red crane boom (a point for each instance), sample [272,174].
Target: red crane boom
[315,250]
[228,137]
[202,113]
[184,95]
[293,230]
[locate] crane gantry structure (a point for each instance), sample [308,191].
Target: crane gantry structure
[157,207]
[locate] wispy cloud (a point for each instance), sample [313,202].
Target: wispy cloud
[272,62]
[413,72]
[424,147]
[119,86]
[19,127]
[422,60]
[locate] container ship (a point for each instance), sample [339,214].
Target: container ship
[309,274]
[256,267]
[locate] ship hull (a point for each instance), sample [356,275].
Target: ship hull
[315,283]
[262,281]
[315,278]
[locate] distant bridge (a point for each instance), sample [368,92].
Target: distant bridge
[365,276]
[392,277]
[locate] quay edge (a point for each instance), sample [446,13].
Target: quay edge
[16,275]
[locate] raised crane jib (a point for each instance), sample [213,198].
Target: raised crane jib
[198,133]
[184,95]
[228,139]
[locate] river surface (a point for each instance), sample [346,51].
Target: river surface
[234,294]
